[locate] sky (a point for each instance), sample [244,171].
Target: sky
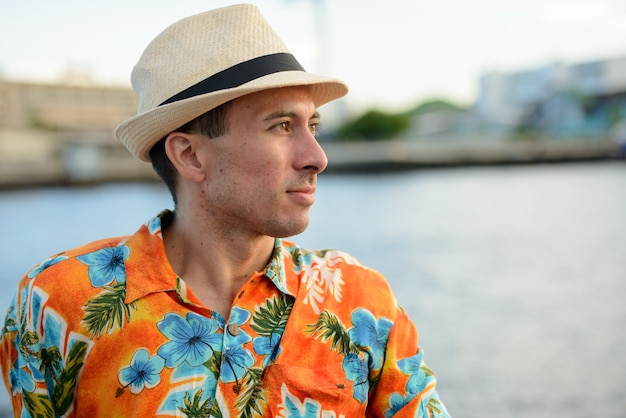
[393,54]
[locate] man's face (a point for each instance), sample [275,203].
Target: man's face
[262,174]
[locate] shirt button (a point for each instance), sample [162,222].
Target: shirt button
[233,329]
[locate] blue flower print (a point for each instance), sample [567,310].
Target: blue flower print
[27,358]
[235,362]
[21,381]
[154,225]
[308,409]
[45,264]
[144,371]
[239,317]
[372,334]
[412,367]
[268,346]
[397,402]
[192,339]
[293,407]
[106,265]
[235,359]
[356,371]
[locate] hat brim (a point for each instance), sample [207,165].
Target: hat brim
[140,132]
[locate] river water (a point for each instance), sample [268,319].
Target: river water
[515,276]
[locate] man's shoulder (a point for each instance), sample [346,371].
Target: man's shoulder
[331,259]
[97,245]
[61,258]
[336,280]
[304,254]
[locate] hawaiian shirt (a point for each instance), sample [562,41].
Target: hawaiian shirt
[109,329]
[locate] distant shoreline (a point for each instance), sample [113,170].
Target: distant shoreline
[79,164]
[407,155]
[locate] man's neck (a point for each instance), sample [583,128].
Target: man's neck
[214,266]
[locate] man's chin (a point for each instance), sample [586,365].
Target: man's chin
[290,230]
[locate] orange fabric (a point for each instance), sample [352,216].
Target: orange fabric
[109,330]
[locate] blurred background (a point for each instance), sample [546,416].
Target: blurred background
[478,162]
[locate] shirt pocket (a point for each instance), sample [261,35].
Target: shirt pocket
[323,389]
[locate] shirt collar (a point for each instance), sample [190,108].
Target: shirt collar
[276,271]
[147,268]
[149,271]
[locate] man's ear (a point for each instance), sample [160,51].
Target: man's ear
[182,150]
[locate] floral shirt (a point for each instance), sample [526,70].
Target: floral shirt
[108,329]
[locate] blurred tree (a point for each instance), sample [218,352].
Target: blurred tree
[435,105]
[373,125]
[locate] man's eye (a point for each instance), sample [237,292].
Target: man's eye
[283,126]
[314,128]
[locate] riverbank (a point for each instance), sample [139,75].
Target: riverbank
[76,164]
[405,155]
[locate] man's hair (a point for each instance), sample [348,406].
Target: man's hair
[213,123]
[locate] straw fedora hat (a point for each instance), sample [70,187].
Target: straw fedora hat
[205,60]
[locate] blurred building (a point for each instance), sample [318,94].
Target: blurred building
[78,108]
[560,100]
[440,120]
[63,132]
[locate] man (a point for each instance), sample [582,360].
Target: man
[206,311]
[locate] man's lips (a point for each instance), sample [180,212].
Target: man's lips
[304,195]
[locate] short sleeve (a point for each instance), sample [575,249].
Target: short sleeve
[15,375]
[405,387]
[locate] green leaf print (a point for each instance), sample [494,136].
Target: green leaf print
[107,310]
[328,327]
[433,406]
[9,322]
[214,363]
[272,318]
[298,255]
[64,390]
[427,370]
[250,400]
[38,405]
[50,364]
[274,269]
[216,412]
[195,408]
[28,339]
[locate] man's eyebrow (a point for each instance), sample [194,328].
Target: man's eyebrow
[281,114]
